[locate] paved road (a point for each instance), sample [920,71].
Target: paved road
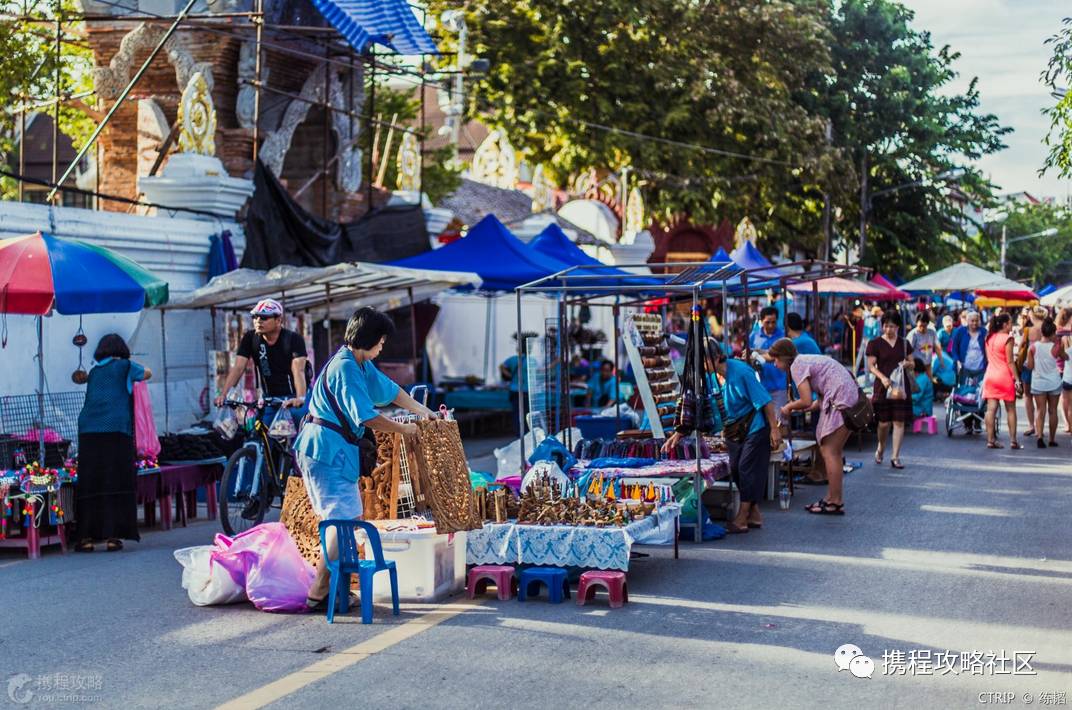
[966,550]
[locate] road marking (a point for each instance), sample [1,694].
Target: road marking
[345,658]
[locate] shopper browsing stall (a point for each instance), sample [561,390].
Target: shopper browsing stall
[106,493]
[746,415]
[601,388]
[837,390]
[278,356]
[794,330]
[341,405]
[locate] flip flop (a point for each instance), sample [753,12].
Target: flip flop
[732,529]
[756,526]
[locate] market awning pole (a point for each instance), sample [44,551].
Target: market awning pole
[119,101]
[413,329]
[617,376]
[487,337]
[698,367]
[41,391]
[521,389]
[163,364]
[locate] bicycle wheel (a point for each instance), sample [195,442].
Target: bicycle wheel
[241,507]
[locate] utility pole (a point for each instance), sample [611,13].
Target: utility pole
[1004,248]
[863,208]
[827,241]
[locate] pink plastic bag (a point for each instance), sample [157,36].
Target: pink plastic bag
[144,426]
[267,563]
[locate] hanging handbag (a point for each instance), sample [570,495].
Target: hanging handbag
[859,416]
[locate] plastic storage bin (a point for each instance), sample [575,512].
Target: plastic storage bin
[431,567]
[595,427]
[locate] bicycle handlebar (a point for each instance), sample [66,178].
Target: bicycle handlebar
[262,404]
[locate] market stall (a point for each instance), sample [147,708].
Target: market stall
[41,275]
[644,336]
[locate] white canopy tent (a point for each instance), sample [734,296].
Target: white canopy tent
[1060,298]
[962,277]
[329,291]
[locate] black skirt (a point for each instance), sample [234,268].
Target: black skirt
[750,463]
[106,504]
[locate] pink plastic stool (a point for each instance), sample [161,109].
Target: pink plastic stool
[612,581]
[930,422]
[502,576]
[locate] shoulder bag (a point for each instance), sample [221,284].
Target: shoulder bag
[366,444]
[859,416]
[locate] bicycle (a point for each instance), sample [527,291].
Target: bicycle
[254,474]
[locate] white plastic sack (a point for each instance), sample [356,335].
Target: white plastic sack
[508,458]
[205,583]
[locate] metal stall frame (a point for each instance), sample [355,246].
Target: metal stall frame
[590,283]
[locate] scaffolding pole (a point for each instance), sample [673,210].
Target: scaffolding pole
[122,97]
[259,21]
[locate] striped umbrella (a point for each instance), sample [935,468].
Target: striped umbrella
[40,272]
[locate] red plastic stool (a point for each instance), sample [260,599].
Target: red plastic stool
[612,581]
[502,576]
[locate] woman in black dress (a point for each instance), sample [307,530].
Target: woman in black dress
[106,505]
[892,408]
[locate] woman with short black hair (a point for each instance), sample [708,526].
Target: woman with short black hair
[342,403]
[106,496]
[893,405]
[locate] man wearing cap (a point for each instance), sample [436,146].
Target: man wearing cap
[278,354]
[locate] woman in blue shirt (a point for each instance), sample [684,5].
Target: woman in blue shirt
[105,497]
[741,395]
[345,396]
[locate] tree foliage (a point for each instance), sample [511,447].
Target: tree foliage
[1058,77]
[740,94]
[1040,260]
[893,116]
[440,178]
[29,68]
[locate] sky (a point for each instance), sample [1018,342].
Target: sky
[1001,42]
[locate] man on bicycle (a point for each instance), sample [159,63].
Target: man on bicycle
[279,357]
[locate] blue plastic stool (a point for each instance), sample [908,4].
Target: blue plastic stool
[553,577]
[349,563]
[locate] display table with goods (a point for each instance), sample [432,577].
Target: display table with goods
[36,504]
[549,526]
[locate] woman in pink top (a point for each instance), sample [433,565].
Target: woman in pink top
[1000,383]
[837,389]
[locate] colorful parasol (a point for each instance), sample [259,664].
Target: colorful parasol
[40,272]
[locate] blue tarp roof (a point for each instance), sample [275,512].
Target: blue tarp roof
[720,257]
[748,257]
[390,23]
[1046,290]
[553,242]
[490,250]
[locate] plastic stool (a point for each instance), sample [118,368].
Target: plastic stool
[553,577]
[481,576]
[930,422]
[611,580]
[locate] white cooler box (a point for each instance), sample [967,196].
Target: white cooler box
[430,566]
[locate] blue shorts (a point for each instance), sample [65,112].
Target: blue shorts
[1025,376]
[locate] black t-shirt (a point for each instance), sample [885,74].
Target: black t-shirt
[273,361]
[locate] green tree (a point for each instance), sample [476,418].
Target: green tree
[577,85]
[1058,77]
[1040,260]
[897,124]
[28,73]
[439,177]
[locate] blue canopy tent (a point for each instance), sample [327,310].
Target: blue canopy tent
[490,250]
[720,257]
[748,257]
[1046,290]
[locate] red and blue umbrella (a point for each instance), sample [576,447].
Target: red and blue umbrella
[40,272]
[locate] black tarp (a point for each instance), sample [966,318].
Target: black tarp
[280,231]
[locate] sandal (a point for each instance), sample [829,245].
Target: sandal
[1015,445]
[1053,443]
[114,545]
[994,445]
[878,458]
[756,526]
[896,463]
[824,507]
[84,546]
[732,529]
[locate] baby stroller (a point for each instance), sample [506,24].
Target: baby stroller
[965,407]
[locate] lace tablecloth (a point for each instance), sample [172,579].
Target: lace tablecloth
[565,545]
